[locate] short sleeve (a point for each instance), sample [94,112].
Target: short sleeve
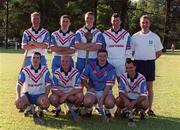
[77,37]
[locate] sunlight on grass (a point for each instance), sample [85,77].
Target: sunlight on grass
[166,101]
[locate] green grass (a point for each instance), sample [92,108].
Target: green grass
[166,101]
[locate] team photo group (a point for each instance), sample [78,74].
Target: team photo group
[108,59]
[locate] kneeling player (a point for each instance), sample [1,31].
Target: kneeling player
[66,88]
[99,78]
[132,91]
[35,82]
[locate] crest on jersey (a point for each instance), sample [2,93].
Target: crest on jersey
[150,42]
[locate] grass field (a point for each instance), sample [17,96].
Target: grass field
[166,101]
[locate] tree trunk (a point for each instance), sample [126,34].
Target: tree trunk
[167,25]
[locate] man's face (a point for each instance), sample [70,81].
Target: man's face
[89,19]
[35,60]
[116,22]
[102,58]
[35,20]
[145,24]
[130,68]
[65,63]
[65,23]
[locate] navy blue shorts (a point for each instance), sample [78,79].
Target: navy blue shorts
[33,98]
[146,68]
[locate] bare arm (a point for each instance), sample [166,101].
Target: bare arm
[38,45]
[18,91]
[63,50]
[29,47]
[47,90]
[82,46]
[158,54]
[74,91]
[94,47]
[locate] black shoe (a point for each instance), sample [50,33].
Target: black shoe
[28,111]
[57,112]
[37,119]
[142,115]
[151,113]
[108,114]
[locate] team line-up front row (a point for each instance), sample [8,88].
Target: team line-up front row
[101,58]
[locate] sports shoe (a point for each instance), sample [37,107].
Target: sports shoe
[28,111]
[151,113]
[37,119]
[75,116]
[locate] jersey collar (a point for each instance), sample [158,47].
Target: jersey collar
[135,77]
[64,33]
[36,70]
[36,32]
[89,30]
[101,67]
[116,32]
[66,73]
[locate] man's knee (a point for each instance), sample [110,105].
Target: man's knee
[79,98]
[89,100]
[109,102]
[119,102]
[43,101]
[54,100]
[21,103]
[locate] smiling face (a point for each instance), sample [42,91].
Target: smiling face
[89,20]
[116,22]
[65,62]
[65,23]
[102,58]
[130,69]
[35,60]
[145,24]
[35,20]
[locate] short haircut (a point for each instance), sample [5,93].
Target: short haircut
[35,13]
[65,16]
[102,51]
[37,53]
[129,61]
[146,17]
[116,15]
[89,13]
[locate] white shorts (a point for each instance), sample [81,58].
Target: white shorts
[99,94]
[119,66]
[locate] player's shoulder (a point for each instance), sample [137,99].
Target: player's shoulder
[80,30]
[136,34]
[154,34]
[55,32]
[108,30]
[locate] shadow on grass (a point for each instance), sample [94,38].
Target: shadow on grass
[94,123]
[169,52]
[11,50]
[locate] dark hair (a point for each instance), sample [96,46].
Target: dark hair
[37,53]
[116,15]
[129,61]
[102,50]
[89,13]
[65,16]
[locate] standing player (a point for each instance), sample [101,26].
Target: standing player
[102,77]
[147,48]
[66,87]
[35,39]
[118,45]
[87,52]
[132,91]
[62,42]
[34,83]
